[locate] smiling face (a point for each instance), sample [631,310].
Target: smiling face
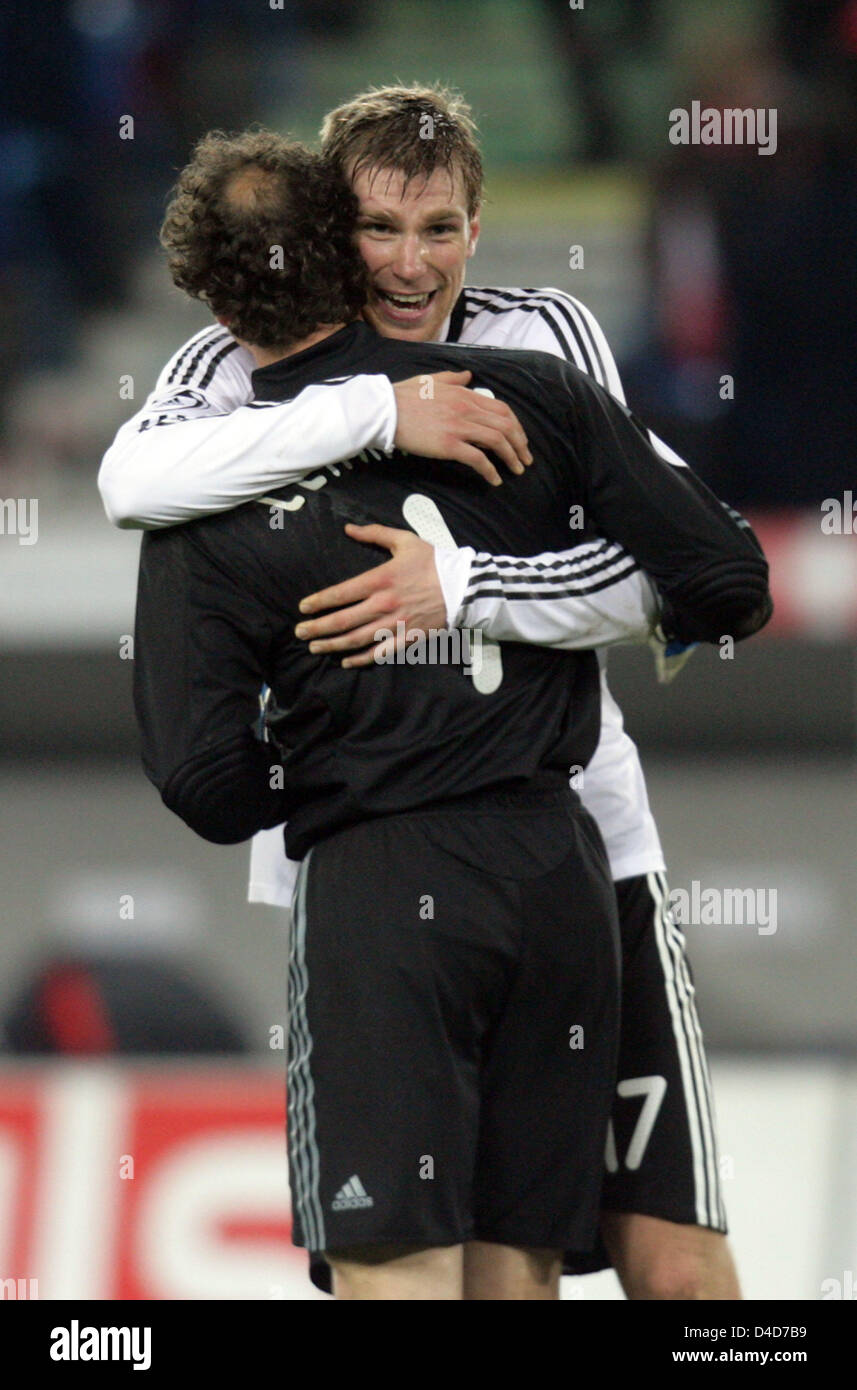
[416,239]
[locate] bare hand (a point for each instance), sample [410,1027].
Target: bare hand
[439,417]
[404,590]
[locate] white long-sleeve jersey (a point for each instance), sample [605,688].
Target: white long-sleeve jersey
[586,599]
[200,444]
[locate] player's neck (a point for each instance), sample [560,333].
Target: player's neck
[264,356]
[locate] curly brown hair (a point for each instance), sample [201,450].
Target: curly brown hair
[414,130]
[262,230]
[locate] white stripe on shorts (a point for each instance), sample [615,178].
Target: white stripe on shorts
[696,1084]
[304,1174]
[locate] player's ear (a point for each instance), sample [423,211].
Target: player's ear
[475,228]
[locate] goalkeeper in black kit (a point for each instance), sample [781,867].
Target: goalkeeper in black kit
[454,957]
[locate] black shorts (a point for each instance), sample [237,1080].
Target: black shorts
[453,1028]
[661,1157]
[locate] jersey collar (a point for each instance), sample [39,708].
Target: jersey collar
[455,322]
[336,355]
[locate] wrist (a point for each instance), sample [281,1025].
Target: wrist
[389,415]
[453,573]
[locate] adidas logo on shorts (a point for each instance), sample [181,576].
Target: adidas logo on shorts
[351,1196]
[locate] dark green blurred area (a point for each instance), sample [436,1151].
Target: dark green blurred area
[523,66]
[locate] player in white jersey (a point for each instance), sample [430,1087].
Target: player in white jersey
[200,444]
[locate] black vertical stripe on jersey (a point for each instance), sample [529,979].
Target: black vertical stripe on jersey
[578,360]
[544,304]
[579,330]
[199,362]
[215,363]
[577,325]
[206,339]
[586,330]
[457,317]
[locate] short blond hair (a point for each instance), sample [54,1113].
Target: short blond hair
[414,130]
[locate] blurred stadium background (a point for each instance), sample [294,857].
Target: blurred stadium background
[141,1075]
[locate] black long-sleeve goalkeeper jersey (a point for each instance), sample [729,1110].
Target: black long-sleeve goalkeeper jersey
[218,603]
